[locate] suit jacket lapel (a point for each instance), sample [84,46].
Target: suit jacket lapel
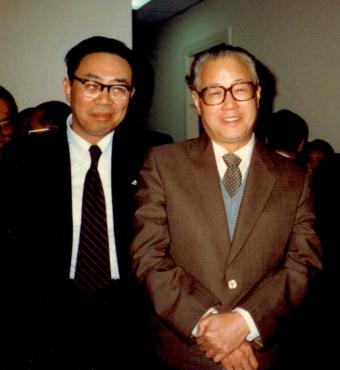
[206,180]
[260,183]
[127,158]
[62,176]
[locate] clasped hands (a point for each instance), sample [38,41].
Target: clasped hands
[222,337]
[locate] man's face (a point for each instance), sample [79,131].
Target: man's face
[231,123]
[94,118]
[6,128]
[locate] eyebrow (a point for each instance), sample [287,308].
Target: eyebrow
[239,80]
[100,79]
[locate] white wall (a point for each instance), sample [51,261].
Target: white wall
[297,40]
[36,34]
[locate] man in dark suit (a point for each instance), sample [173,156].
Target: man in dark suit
[63,325]
[226,249]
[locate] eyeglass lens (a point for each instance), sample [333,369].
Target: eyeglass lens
[215,95]
[93,89]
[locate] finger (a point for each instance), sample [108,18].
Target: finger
[231,361]
[226,363]
[220,353]
[211,354]
[246,365]
[242,363]
[249,355]
[238,361]
[253,361]
[199,340]
[218,358]
[202,345]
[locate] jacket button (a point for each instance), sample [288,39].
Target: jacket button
[232,284]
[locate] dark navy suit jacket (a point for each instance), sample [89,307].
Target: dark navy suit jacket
[36,238]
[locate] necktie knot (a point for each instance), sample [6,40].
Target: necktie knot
[231,160]
[232,178]
[95,153]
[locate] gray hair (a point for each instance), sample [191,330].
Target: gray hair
[218,51]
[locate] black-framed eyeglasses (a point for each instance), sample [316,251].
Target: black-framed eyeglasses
[92,89]
[215,95]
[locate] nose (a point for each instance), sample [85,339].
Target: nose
[104,96]
[229,101]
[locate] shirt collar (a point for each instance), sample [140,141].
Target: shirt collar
[81,146]
[244,153]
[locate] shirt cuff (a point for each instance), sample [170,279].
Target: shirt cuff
[212,310]
[254,333]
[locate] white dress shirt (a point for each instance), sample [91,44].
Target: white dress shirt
[80,163]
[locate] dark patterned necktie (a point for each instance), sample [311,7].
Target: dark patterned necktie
[93,261]
[232,178]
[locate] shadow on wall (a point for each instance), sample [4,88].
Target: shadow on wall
[144,84]
[268,93]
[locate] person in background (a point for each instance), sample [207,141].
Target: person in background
[224,239]
[67,227]
[47,116]
[8,113]
[287,133]
[326,183]
[317,151]
[24,117]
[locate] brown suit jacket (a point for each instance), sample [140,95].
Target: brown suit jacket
[183,254]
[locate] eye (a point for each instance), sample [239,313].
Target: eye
[92,86]
[214,91]
[118,90]
[241,88]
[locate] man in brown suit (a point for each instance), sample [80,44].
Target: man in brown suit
[225,259]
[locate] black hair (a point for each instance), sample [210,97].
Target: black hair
[53,112]
[97,44]
[321,146]
[286,130]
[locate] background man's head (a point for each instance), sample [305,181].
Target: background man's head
[8,113]
[286,131]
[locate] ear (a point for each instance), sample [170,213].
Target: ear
[258,95]
[67,89]
[196,100]
[132,92]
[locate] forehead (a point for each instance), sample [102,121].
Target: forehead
[227,67]
[105,63]
[4,109]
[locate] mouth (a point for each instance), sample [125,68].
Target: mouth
[231,120]
[102,116]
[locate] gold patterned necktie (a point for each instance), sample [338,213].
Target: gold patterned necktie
[232,178]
